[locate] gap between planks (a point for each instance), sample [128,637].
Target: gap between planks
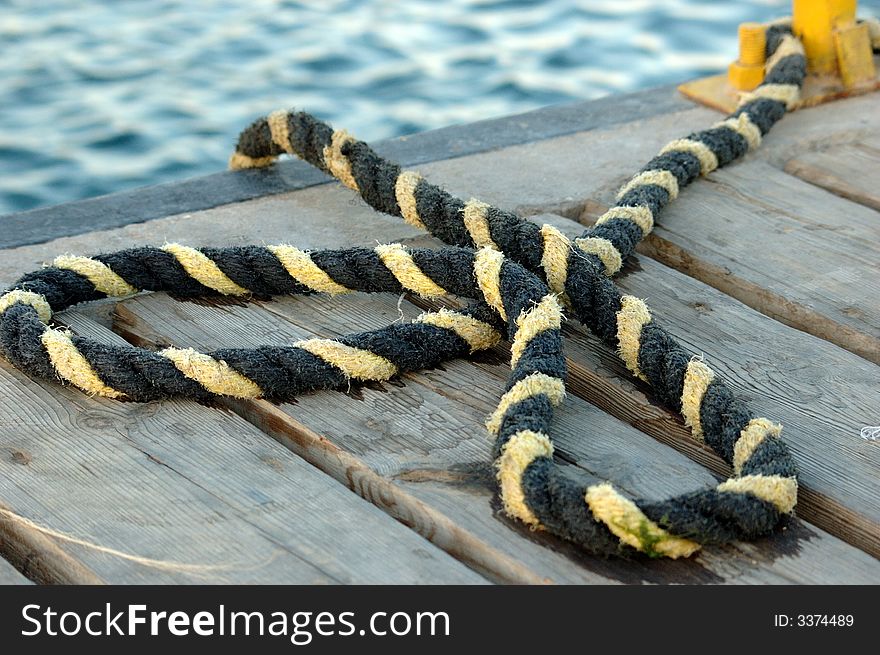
[847,170]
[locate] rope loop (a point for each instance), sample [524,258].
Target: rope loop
[519,275]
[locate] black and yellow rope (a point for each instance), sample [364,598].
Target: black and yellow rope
[576,271]
[544,251]
[509,299]
[276,373]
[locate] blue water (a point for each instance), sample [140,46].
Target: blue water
[98,97]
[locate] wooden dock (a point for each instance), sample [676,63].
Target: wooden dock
[770,267]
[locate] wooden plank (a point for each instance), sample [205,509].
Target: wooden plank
[823,394]
[182,483]
[530,177]
[563,174]
[485,544]
[316,216]
[9,575]
[781,246]
[849,171]
[223,188]
[425,434]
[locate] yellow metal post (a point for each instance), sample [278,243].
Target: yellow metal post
[814,21]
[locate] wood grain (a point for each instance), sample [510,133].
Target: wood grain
[189,485]
[425,434]
[9,575]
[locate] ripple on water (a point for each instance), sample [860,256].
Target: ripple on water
[127,141]
[102,96]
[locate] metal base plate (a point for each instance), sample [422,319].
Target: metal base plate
[716,92]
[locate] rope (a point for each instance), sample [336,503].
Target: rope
[577,271]
[533,488]
[506,279]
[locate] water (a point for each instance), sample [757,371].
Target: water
[102,96]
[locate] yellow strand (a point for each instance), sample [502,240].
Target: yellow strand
[98,273]
[353,362]
[397,260]
[697,379]
[300,267]
[708,159]
[279,127]
[659,177]
[337,163]
[405,193]
[203,270]
[70,365]
[743,126]
[479,335]
[487,268]
[476,221]
[240,161]
[554,258]
[214,375]
[750,438]
[790,94]
[776,489]
[629,524]
[604,250]
[633,315]
[35,300]
[546,315]
[640,215]
[788,46]
[521,449]
[532,385]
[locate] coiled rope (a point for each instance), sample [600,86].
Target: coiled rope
[504,277]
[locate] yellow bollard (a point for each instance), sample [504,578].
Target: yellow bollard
[840,60]
[813,22]
[834,43]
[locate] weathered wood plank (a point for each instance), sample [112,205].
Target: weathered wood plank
[848,121]
[191,195]
[562,174]
[9,575]
[426,436]
[37,554]
[784,247]
[178,482]
[821,393]
[849,171]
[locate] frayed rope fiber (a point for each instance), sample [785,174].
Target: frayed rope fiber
[505,277]
[532,486]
